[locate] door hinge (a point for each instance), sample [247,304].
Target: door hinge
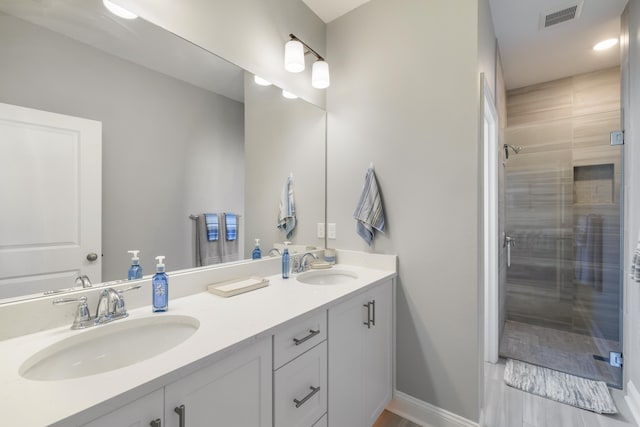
[617,137]
[615,359]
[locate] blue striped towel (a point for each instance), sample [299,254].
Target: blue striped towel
[211,219]
[287,213]
[231,226]
[369,211]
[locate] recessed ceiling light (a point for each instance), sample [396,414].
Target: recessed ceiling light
[260,81]
[605,44]
[119,10]
[288,94]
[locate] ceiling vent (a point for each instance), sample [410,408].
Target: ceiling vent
[559,15]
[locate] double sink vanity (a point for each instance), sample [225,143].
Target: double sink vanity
[313,350]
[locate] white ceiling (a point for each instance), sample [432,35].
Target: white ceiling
[531,55]
[328,10]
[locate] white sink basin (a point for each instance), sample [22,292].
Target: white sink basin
[108,347]
[331,276]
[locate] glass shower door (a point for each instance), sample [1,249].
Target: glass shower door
[563,283]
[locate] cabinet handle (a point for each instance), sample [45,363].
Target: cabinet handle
[373,310]
[182,413]
[368,322]
[299,403]
[156,423]
[312,334]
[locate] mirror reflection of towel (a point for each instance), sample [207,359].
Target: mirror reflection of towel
[230,248]
[369,212]
[207,252]
[231,226]
[211,220]
[287,213]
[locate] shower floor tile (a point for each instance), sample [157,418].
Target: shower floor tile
[559,350]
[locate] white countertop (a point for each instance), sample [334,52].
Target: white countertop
[225,325]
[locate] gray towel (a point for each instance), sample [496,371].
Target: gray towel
[287,212]
[230,248]
[369,212]
[207,252]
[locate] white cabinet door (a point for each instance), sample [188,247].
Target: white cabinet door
[235,391]
[378,361]
[346,356]
[360,358]
[139,413]
[51,193]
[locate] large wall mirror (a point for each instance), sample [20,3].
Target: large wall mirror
[182,131]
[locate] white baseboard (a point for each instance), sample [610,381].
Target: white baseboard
[425,414]
[633,401]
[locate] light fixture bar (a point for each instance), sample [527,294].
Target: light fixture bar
[309,50]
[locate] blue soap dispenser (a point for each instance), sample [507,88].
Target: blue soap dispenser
[257,252]
[285,261]
[160,287]
[135,271]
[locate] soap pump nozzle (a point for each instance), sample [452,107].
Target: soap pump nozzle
[160,265]
[134,259]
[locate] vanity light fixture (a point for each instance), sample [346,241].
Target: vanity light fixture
[605,44]
[294,52]
[260,81]
[119,10]
[289,95]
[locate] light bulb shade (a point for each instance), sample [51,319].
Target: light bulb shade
[320,75]
[260,81]
[294,56]
[119,10]
[288,94]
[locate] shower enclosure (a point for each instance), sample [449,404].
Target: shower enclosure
[562,220]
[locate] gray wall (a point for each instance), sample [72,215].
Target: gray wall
[282,136]
[409,102]
[169,148]
[248,33]
[632,193]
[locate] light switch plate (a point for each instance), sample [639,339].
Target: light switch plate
[320,228]
[331,230]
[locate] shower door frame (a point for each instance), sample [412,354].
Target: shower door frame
[489,143]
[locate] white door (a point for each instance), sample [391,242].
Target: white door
[51,200]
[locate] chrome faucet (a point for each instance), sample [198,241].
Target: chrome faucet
[301,263]
[110,307]
[276,251]
[80,281]
[83,281]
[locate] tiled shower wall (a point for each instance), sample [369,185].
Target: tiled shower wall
[562,204]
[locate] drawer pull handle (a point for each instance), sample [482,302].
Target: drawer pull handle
[312,334]
[156,423]
[299,403]
[371,313]
[182,414]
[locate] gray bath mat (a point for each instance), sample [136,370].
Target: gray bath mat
[569,389]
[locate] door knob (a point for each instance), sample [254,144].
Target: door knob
[92,256]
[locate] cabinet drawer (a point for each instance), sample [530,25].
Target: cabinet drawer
[298,337]
[300,389]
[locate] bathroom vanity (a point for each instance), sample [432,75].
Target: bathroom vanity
[312,350]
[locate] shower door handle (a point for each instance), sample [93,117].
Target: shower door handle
[508,243]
